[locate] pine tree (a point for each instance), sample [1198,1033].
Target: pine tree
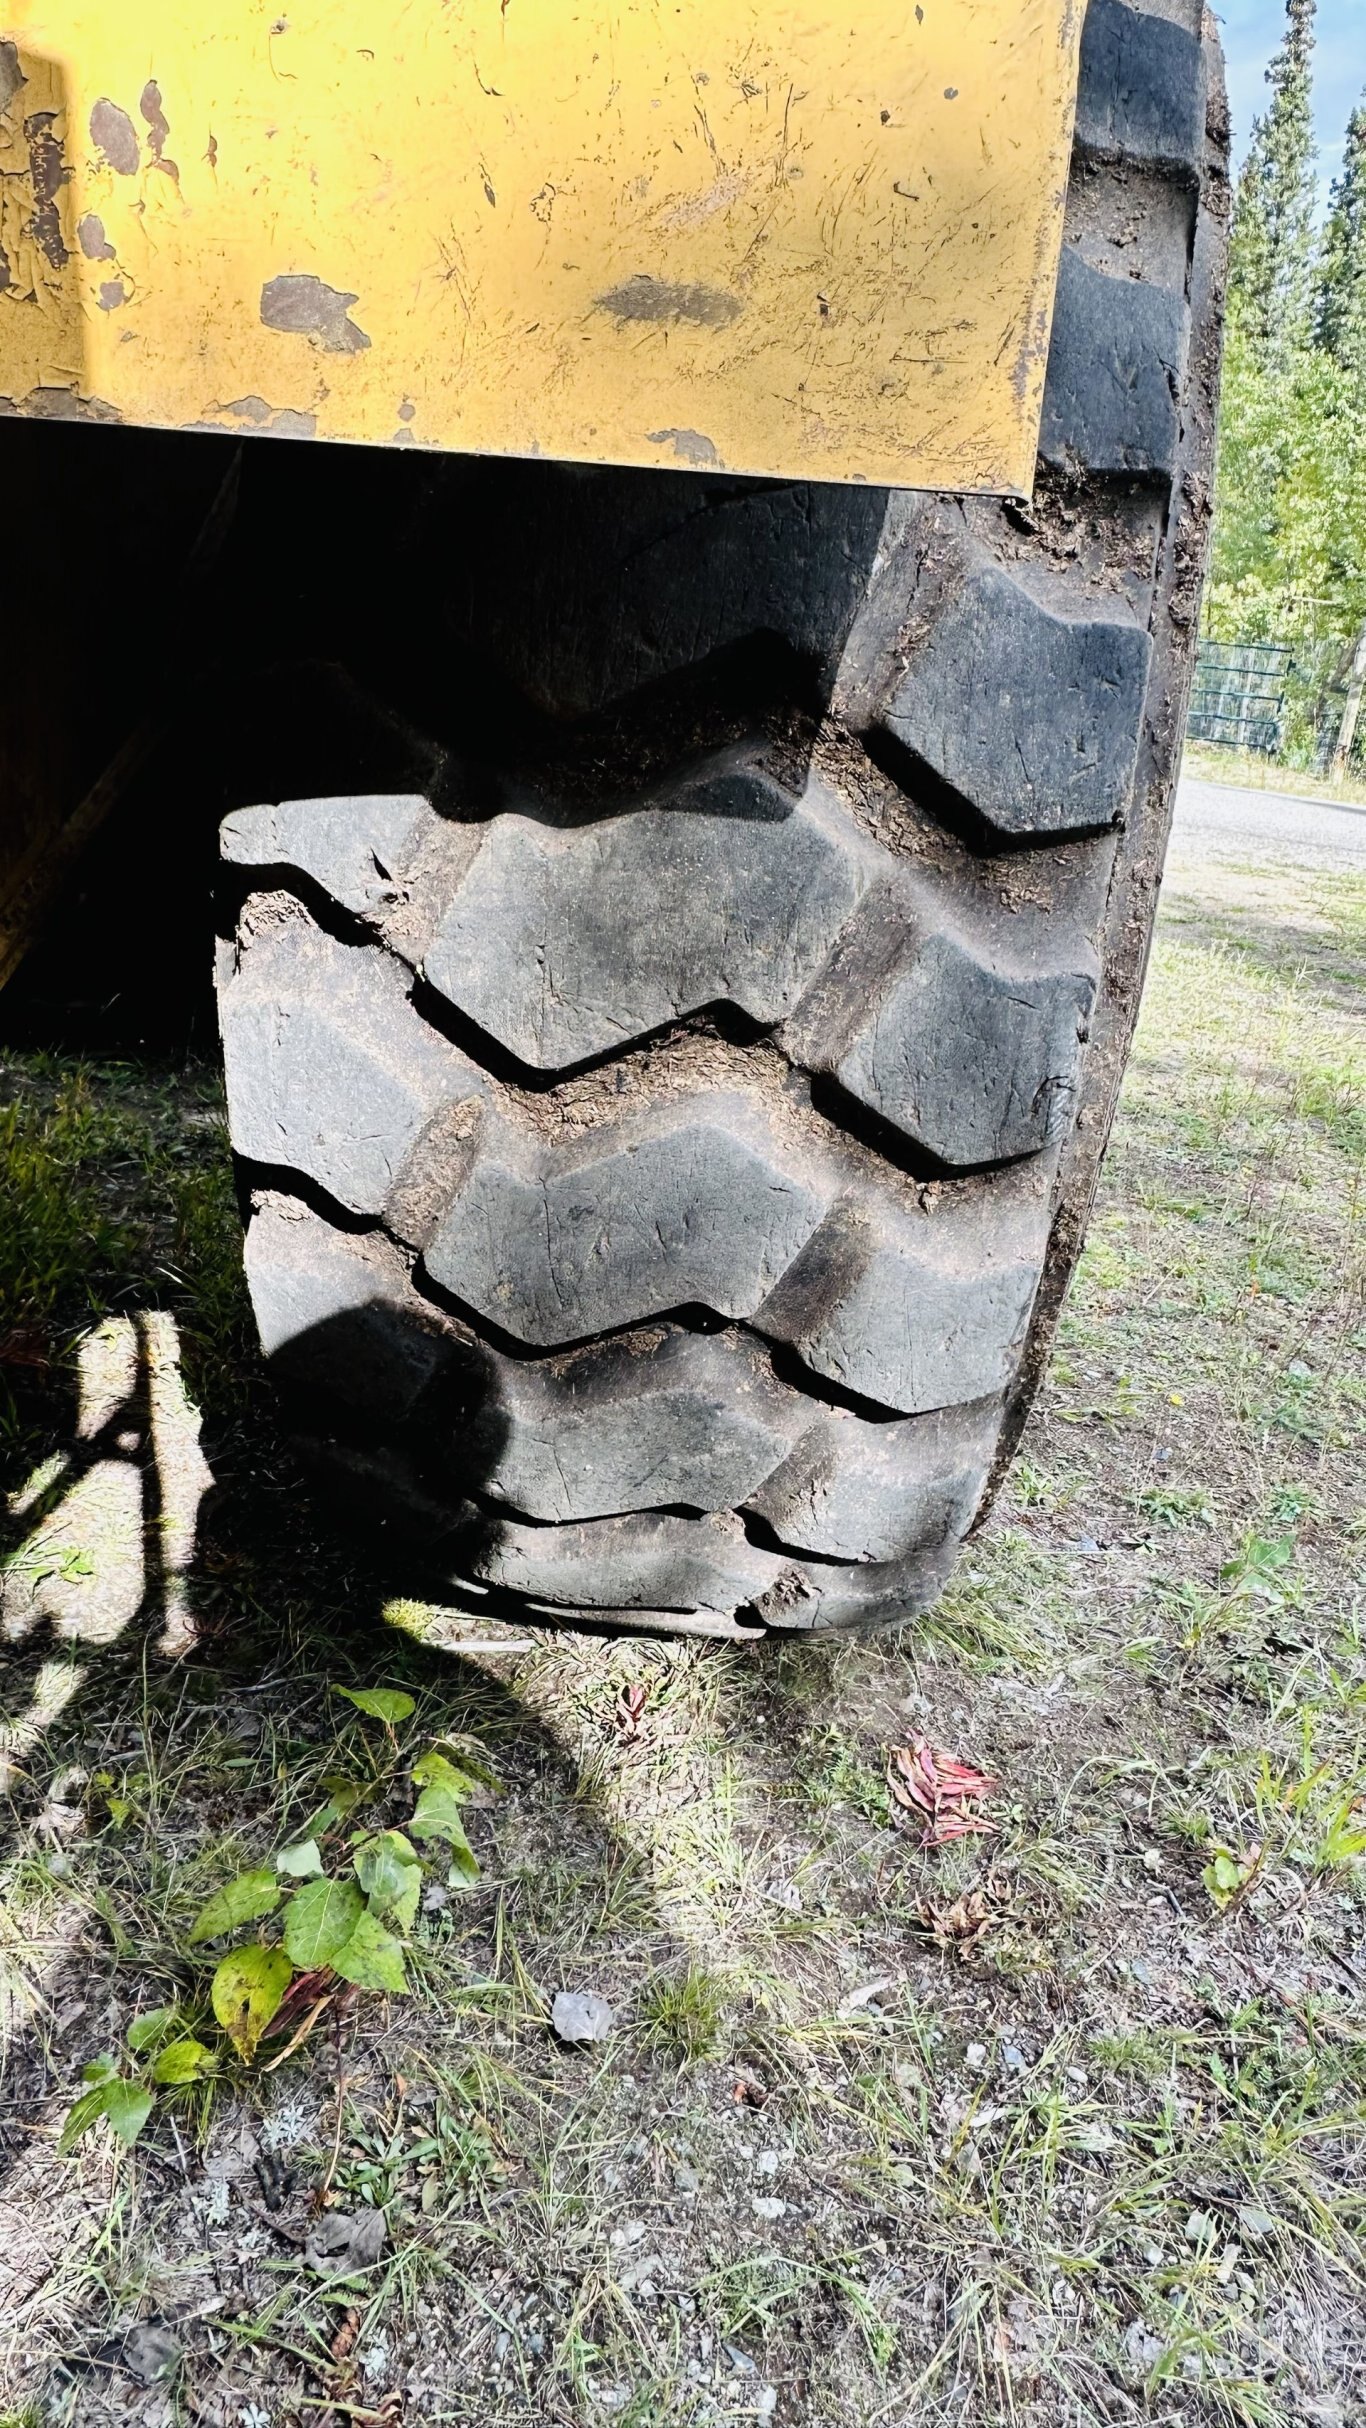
[1271,263]
[1341,304]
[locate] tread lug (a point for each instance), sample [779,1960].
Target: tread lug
[1032,715]
[968,1043]
[337,1313]
[330,1071]
[355,847]
[855,1491]
[1141,88]
[564,945]
[691,1204]
[647,1562]
[691,1419]
[1113,370]
[912,1315]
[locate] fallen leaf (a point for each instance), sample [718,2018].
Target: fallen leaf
[125,2106]
[25,1347]
[304,1991]
[372,1958]
[747,2093]
[580,2016]
[630,1712]
[963,1924]
[149,2353]
[864,1996]
[386,1703]
[246,1899]
[320,1920]
[182,2061]
[343,2342]
[922,1779]
[338,2243]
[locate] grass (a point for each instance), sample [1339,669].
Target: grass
[683,2015]
[1211,763]
[1061,2126]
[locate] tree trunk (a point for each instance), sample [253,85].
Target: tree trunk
[1347,731]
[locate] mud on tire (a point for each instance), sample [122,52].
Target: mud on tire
[669,1094]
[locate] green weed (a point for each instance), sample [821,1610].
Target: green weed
[683,2015]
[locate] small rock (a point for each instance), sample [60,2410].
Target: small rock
[975,2054]
[766,2402]
[1096,2137]
[1200,2228]
[340,2242]
[149,2353]
[769,2208]
[435,1898]
[1014,2060]
[1142,2350]
[767,2163]
[686,2178]
[1322,2410]
[639,2275]
[1151,1859]
[1088,1546]
[580,2016]
[375,2361]
[1257,2222]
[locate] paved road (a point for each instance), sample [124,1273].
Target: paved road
[1222,822]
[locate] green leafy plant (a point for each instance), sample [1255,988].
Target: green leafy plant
[1229,1874]
[159,2053]
[345,1900]
[1172,1507]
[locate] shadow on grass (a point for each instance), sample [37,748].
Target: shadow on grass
[176,1614]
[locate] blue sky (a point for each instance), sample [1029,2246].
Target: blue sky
[1252,31]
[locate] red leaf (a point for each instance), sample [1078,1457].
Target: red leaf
[25,1346]
[922,1779]
[630,1712]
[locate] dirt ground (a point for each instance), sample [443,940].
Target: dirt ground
[1061,2124]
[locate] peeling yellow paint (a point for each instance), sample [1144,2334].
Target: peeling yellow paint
[775,238]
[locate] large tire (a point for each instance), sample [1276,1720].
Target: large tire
[670,1117]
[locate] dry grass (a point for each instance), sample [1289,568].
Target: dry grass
[1038,2129]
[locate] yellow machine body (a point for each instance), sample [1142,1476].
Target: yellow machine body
[785,237]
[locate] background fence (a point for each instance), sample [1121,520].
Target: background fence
[1286,698]
[1238,694]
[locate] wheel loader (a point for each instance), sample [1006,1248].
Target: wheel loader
[676,533]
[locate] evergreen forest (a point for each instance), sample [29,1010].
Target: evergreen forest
[1289,561]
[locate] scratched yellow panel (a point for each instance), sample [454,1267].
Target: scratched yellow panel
[777,236]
